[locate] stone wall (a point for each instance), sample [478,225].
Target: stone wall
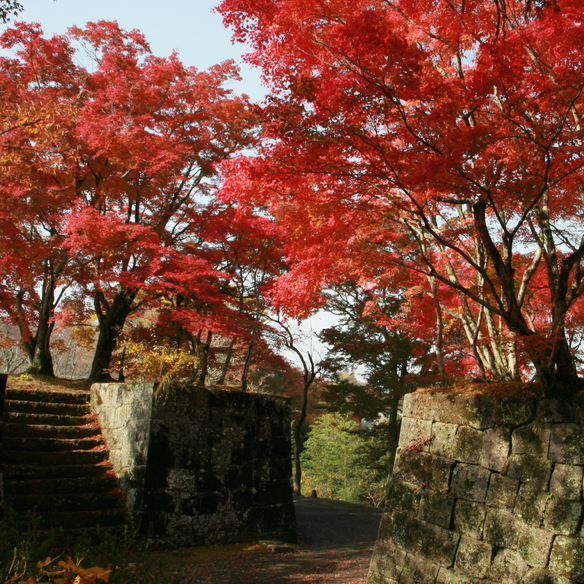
[3,379]
[124,412]
[484,489]
[200,467]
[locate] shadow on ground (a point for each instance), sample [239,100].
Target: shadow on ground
[335,544]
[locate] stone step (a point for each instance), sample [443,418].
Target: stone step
[48,419]
[39,395]
[63,502]
[55,485]
[82,520]
[58,458]
[40,445]
[14,472]
[37,407]
[15,429]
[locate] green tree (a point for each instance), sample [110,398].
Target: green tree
[341,461]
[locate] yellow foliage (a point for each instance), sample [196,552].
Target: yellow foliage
[162,363]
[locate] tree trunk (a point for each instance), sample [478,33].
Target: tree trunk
[554,365]
[42,363]
[112,317]
[298,440]
[204,361]
[226,363]
[247,364]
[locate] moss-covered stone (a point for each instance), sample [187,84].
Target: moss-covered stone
[423,469]
[474,557]
[470,482]
[388,560]
[535,545]
[566,482]
[532,439]
[436,507]
[502,529]
[563,516]
[533,470]
[469,518]
[502,491]
[567,444]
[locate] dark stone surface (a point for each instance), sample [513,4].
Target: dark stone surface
[218,469]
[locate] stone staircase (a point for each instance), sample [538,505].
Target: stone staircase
[55,461]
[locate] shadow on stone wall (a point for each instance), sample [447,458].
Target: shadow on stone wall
[200,467]
[484,490]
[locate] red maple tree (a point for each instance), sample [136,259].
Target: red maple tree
[440,136]
[111,173]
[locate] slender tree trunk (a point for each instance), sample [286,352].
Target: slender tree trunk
[247,364]
[226,363]
[112,317]
[298,439]
[204,360]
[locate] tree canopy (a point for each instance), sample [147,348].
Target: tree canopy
[109,177]
[431,143]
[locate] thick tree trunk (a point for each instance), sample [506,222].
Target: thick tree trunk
[555,366]
[112,317]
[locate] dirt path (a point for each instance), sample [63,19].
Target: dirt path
[335,544]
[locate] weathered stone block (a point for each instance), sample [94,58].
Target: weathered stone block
[475,410]
[388,560]
[563,516]
[567,557]
[416,536]
[421,469]
[436,507]
[559,412]
[402,495]
[449,576]
[473,557]
[418,570]
[489,448]
[534,470]
[567,444]
[415,434]
[508,567]
[531,439]
[566,482]
[443,439]
[531,505]
[535,545]
[375,578]
[543,576]
[470,482]
[502,491]
[502,529]
[469,518]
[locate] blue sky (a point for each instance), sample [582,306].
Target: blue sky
[189,26]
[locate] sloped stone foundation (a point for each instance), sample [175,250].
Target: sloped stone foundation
[485,489]
[200,466]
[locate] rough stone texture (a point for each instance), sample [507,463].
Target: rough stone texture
[124,413]
[199,466]
[3,380]
[485,490]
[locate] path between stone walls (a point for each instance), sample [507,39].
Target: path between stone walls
[336,541]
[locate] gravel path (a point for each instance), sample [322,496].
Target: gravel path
[335,544]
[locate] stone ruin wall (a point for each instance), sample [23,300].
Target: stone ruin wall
[484,490]
[200,467]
